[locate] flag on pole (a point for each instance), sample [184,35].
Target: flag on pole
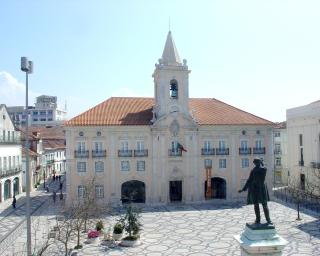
[181,147]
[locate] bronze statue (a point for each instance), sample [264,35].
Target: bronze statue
[257,190]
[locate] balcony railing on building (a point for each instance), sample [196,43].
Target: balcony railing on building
[244,151]
[315,165]
[207,151]
[259,151]
[125,153]
[222,151]
[175,152]
[10,172]
[50,161]
[99,153]
[81,154]
[140,152]
[13,140]
[277,151]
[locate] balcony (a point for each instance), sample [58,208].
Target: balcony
[244,151]
[222,151]
[175,152]
[301,163]
[10,141]
[140,152]
[207,151]
[315,165]
[125,153]
[10,172]
[50,162]
[81,154]
[259,151]
[99,153]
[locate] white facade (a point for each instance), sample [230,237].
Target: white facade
[280,154]
[303,128]
[149,158]
[10,157]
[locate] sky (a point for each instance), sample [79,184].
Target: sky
[260,56]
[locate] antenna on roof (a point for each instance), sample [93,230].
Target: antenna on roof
[169,24]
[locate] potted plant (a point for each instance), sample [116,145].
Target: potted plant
[132,226]
[93,236]
[100,226]
[117,231]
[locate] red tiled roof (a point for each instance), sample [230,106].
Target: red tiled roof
[138,111]
[281,125]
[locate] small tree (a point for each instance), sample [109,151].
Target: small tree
[131,222]
[65,229]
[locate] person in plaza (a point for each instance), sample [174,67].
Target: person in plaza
[61,195]
[47,189]
[61,186]
[257,190]
[14,202]
[54,177]
[54,196]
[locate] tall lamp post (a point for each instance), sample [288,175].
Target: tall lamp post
[27,66]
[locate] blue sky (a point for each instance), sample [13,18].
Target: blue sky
[260,56]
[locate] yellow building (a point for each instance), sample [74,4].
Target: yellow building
[167,148]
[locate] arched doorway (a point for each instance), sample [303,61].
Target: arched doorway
[133,191]
[6,190]
[218,188]
[16,186]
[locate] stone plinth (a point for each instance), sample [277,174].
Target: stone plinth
[260,239]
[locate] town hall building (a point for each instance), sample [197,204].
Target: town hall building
[170,148]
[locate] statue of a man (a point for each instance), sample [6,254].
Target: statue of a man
[257,190]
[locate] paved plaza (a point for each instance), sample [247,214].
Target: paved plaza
[208,229]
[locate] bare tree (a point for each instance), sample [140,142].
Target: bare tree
[65,228]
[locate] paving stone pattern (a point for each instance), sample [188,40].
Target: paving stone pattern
[208,229]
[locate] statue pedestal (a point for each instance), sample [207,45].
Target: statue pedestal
[260,239]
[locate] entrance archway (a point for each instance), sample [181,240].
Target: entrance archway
[16,186]
[133,191]
[218,188]
[6,190]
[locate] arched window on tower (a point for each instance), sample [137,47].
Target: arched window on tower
[174,89]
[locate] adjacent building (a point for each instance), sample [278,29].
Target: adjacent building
[10,157]
[303,129]
[170,148]
[45,112]
[281,170]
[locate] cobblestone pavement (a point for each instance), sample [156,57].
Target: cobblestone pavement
[13,221]
[208,229]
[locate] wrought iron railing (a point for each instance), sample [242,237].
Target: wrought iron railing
[125,153]
[207,151]
[244,151]
[99,153]
[81,154]
[222,151]
[140,152]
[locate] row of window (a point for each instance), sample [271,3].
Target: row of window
[99,191]
[8,135]
[99,166]
[10,162]
[41,119]
[50,112]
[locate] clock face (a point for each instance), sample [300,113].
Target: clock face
[174,128]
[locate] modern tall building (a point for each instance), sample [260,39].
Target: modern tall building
[303,129]
[10,157]
[170,148]
[45,112]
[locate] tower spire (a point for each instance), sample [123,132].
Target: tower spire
[170,55]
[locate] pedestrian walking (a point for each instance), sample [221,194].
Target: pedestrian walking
[54,196]
[47,189]
[59,177]
[14,202]
[61,186]
[54,177]
[61,196]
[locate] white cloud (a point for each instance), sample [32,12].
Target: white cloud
[12,92]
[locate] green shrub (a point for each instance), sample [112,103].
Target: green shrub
[118,228]
[99,225]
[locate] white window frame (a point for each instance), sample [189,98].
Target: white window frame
[278,161]
[81,191]
[140,145]
[245,163]
[125,166]
[142,167]
[99,191]
[80,168]
[81,146]
[124,146]
[222,163]
[207,145]
[259,144]
[97,146]
[222,144]
[99,166]
[244,144]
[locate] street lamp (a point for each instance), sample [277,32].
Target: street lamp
[27,66]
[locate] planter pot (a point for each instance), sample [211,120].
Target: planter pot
[130,243]
[117,237]
[94,240]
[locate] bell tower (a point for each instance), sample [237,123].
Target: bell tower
[171,82]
